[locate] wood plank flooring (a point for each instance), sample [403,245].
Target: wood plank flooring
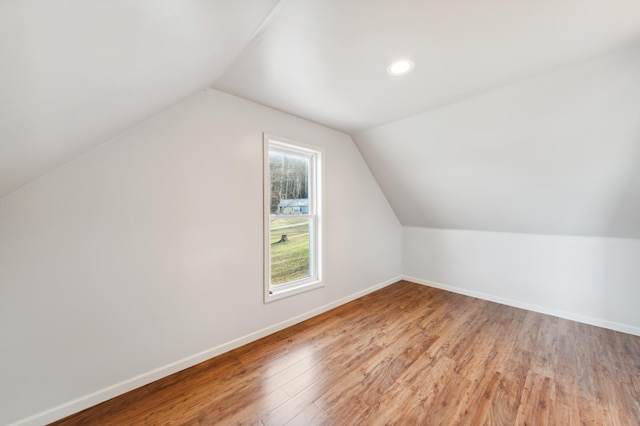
[406,354]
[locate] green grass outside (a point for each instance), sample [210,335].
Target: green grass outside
[289,259]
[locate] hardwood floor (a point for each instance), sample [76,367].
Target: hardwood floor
[406,354]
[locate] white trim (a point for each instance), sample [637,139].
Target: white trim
[315,156]
[291,289]
[624,328]
[79,404]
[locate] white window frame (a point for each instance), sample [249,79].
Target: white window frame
[315,279]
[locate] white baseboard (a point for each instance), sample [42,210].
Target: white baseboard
[624,328]
[105,394]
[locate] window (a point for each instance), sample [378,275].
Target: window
[292,218]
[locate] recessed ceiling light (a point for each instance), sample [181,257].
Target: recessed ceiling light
[400,67]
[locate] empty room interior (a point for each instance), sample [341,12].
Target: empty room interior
[306,212]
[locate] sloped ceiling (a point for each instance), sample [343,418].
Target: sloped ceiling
[555,154]
[75,73]
[327,60]
[518,116]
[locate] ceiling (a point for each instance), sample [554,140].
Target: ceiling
[76,73]
[554,154]
[326,60]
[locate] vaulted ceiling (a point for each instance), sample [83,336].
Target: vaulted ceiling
[519,116]
[75,73]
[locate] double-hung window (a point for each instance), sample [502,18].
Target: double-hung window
[292,218]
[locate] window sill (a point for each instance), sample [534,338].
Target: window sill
[277,294]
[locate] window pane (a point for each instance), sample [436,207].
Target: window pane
[289,182]
[292,225]
[289,250]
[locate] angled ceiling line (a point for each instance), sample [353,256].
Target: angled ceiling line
[256,33]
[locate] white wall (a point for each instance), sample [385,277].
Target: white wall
[589,279]
[148,251]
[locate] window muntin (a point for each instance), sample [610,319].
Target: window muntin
[292,218]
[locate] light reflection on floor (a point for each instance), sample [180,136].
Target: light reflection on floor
[293,369]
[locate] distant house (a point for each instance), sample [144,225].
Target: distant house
[293,206]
